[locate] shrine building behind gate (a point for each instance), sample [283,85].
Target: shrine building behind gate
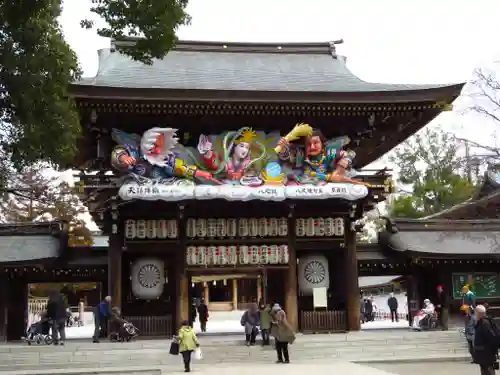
[220,206]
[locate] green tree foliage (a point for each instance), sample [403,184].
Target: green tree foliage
[38,120]
[431,172]
[38,197]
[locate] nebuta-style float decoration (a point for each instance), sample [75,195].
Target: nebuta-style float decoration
[236,165]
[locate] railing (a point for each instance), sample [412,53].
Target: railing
[152,326]
[323,321]
[382,315]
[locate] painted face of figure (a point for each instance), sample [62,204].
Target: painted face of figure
[314,146]
[241,150]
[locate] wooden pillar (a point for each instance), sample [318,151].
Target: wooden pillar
[291,308]
[412,293]
[182,303]
[351,278]
[206,293]
[235,294]
[4,300]
[115,268]
[259,289]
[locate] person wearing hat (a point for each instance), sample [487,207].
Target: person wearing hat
[468,297]
[442,307]
[485,350]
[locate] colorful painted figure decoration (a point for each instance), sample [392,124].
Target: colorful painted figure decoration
[235,164]
[152,156]
[313,159]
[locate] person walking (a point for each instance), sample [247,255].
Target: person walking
[102,312]
[250,320]
[442,307]
[392,302]
[485,351]
[57,314]
[265,322]
[203,315]
[283,334]
[188,343]
[469,333]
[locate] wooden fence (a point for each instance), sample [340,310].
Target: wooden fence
[152,326]
[323,321]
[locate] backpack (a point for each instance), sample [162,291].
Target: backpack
[495,330]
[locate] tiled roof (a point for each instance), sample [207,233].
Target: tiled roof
[313,67]
[28,248]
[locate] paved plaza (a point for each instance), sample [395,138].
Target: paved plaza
[438,368]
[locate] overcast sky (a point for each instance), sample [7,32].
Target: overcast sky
[385,40]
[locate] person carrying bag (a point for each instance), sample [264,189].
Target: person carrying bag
[188,343]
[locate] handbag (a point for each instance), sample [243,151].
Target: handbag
[198,354]
[174,348]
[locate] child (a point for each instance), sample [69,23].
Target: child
[188,342]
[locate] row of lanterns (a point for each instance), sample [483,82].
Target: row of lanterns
[233,255]
[228,228]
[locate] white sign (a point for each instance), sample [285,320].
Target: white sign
[320,297]
[172,193]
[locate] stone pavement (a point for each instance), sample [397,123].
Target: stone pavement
[360,347]
[441,368]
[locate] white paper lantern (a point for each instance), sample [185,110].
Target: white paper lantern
[141,229]
[243,256]
[191,255]
[283,256]
[233,255]
[329,227]
[339,226]
[191,228]
[201,256]
[151,229]
[263,226]
[130,229]
[231,227]
[254,255]
[282,227]
[211,228]
[272,227]
[300,227]
[201,228]
[212,257]
[310,226]
[273,256]
[253,227]
[148,278]
[243,228]
[319,228]
[172,229]
[161,229]
[313,273]
[221,228]
[264,254]
[223,255]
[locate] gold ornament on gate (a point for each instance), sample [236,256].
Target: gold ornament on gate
[300,130]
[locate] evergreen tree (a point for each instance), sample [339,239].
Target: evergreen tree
[34,195]
[431,173]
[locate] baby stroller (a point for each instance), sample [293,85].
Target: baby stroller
[39,332]
[125,331]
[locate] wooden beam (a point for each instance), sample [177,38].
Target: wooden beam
[351,278]
[291,308]
[182,303]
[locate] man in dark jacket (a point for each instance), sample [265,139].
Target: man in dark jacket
[392,302]
[203,315]
[102,313]
[57,314]
[485,349]
[442,307]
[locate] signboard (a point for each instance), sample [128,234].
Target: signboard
[320,297]
[482,284]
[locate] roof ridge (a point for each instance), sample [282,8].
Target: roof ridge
[245,47]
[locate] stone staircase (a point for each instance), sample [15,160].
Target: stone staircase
[356,347]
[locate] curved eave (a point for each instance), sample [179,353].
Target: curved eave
[384,95]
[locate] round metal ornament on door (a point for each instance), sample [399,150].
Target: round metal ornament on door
[314,272]
[148,278]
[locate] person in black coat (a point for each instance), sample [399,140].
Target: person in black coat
[203,315]
[369,310]
[57,313]
[442,307]
[485,350]
[392,302]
